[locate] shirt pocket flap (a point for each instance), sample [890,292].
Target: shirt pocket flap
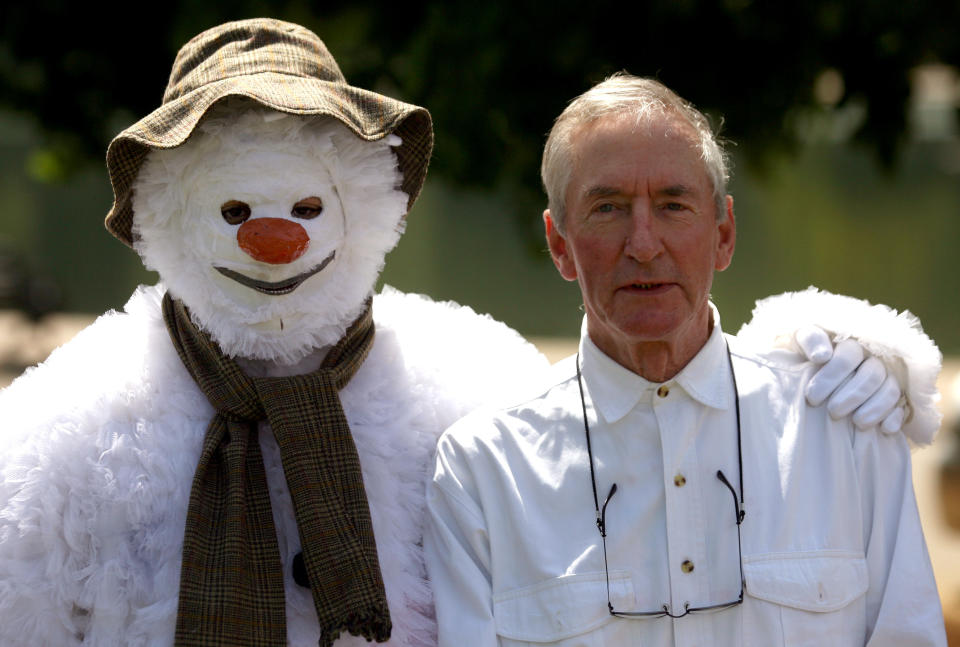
[561,607]
[815,581]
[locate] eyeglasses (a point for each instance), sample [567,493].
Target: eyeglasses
[665,610]
[601,512]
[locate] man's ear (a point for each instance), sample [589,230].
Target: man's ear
[558,249]
[727,239]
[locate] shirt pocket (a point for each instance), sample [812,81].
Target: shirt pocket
[814,599]
[566,611]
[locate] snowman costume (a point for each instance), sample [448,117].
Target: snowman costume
[266,192]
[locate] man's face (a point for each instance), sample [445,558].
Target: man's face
[642,238]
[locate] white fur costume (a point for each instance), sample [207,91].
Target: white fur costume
[99,444]
[101,441]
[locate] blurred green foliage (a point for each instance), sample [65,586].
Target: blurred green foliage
[495,74]
[831,186]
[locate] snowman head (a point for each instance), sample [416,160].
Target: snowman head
[271,228]
[265,189]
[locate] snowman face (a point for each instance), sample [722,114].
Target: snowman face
[272,229]
[273,240]
[265,240]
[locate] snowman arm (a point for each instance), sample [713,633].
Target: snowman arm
[888,339]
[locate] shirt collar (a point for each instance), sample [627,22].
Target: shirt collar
[615,390]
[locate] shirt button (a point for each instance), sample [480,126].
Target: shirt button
[679,480]
[686,566]
[663,391]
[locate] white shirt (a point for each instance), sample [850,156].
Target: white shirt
[833,553]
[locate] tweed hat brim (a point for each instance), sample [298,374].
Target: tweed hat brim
[369,115]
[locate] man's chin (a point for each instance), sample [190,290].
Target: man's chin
[679,327]
[649,325]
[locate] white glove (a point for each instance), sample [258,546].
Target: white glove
[852,384]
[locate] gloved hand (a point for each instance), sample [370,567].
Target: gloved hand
[852,384]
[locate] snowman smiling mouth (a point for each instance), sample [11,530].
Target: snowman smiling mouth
[275,288]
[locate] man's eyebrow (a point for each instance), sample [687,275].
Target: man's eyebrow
[601,191]
[677,190]
[674,190]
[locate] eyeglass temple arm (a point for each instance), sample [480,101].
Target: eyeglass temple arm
[602,514]
[741,513]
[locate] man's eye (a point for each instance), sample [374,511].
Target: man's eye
[307,208]
[606,207]
[234,211]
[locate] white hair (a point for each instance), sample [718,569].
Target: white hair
[642,98]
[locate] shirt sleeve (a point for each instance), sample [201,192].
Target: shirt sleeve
[903,605]
[457,552]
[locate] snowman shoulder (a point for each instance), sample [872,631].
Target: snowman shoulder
[467,359]
[113,394]
[120,365]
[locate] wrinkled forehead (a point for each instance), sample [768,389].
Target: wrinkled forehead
[652,123]
[660,138]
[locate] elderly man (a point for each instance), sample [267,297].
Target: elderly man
[670,485]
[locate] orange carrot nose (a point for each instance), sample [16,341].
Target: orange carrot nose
[273,240]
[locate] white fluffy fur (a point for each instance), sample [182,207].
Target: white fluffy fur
[897,339]
[101,441]
[270,161]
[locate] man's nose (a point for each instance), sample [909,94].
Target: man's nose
[273,240]
[643,241]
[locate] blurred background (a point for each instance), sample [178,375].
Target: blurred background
[843,119]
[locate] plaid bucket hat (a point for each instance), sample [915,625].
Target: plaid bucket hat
[279,65]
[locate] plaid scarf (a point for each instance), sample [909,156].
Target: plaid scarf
[231,581]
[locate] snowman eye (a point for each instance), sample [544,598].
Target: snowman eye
[234,211]
[307,208]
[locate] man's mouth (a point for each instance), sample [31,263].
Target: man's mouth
[646,286]
[275,288]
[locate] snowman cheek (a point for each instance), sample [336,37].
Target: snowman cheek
[273,240]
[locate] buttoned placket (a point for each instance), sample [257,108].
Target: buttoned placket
[689,426]
[686,528]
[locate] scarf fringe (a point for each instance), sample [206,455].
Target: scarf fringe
[369,624]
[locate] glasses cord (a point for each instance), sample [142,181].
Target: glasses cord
[602,512]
